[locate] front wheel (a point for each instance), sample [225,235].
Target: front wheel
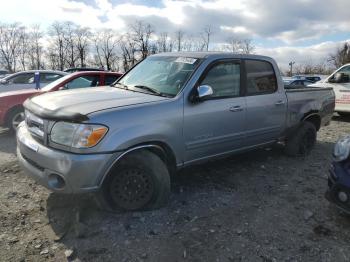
[302,141]
[140,181]
[15,117]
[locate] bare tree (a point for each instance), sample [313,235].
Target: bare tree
[164,43]
[57,49]
[10,39]
[207,32]
[247,46]
[179,35]
[141,33]
[35,54]
[341,56]
[239,46]
[106,42]
[82,42]
[128,51]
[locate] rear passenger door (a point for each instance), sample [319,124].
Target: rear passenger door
[216,125]
[266,103]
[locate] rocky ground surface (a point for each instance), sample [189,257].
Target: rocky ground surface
[259,206]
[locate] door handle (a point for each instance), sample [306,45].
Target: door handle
[280,102]
[236,109]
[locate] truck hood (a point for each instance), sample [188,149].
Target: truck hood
[75,105]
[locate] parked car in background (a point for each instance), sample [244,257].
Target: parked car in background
[293,83]
[307,77]
[26,80]
[339,175]
[80,69]
[339,80]
[170,111]
[11,109]
[3,73]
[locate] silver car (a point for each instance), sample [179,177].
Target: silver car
[26,80]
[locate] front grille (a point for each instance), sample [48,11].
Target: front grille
[35,125]
[33,163]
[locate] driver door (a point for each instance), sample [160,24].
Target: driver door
[216,126]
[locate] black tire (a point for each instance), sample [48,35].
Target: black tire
[302,141]
[14,117]
[140,181]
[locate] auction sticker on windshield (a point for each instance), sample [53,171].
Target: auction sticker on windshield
[186,60]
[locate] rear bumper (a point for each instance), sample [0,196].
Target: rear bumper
[60,171]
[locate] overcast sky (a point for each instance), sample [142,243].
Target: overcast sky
[298,30]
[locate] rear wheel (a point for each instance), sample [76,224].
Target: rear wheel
[140,181]
[302,141]
[14,118]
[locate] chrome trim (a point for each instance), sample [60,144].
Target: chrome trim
[123,154]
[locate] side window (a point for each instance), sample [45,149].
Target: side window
[84,81]
[48,77]
[224,79]
[110,79]
[346,71]
[261,78]
[22,79]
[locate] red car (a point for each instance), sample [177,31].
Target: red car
[11,109]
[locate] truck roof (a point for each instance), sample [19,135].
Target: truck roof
[214,55]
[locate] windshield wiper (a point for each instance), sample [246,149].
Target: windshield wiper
[151,90]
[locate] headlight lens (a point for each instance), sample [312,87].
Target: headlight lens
[77,135]
[342,149]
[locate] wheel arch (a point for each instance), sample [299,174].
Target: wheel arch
[314,118]
[161,149]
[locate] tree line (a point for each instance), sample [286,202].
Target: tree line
[65,44]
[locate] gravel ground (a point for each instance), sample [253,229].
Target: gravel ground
[259,206]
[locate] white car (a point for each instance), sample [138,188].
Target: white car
[26,80]
[339,80]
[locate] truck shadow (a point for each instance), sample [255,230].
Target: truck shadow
[339,118]
[7,141]
[236,184]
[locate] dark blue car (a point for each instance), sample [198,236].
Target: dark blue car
[339,176]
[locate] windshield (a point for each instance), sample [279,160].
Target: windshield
[55,83]
[163,75]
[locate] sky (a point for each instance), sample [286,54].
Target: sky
[303,31]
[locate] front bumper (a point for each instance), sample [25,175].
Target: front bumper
[61,171]
[339,183]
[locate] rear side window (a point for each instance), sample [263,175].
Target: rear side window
[84,81]
[49,77]
[26,78]
[261,78]
[110,79]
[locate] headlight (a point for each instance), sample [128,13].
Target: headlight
[342,149]
[77,135]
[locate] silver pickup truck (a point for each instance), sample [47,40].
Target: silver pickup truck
[170,111]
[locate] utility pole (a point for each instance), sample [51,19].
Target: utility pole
[291,67]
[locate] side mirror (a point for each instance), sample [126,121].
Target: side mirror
[3,82]
[64,87]
[340,78]
[201,93]
[204,92]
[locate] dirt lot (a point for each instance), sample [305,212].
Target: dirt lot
[260,206]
